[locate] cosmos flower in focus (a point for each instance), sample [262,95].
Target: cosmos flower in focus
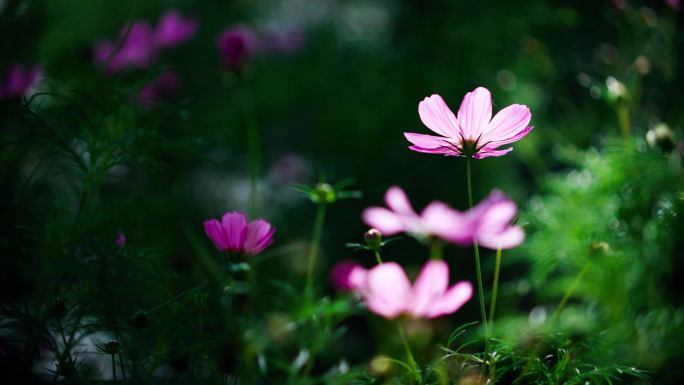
[437,219]
[473,133]
[18,81]
[234,235]
[388,292]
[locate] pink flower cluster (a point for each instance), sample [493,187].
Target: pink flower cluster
[18,81]
[239,43]
[139,43]
[488,223]
[473,132]
[388,292]
[234,235]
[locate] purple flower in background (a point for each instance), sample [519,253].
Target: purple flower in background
[120,240]
[348,276]
[388,292]
[491,222]
[19,81]
[675,4]
[173,29]
[234,235]
[236,45]
[164,87]
[473,132]
[437,219]
[138,50]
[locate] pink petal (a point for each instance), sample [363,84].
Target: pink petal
[234,228]
[384,220]
[426,141]
[429,288]
[397,201]
[452,300]
[214,231]
[440,219]
[388,290]
[259,236]
[487,152]
[507,126]
[507,239]
[440,151]
[348,276]
[437,116]
[475,112]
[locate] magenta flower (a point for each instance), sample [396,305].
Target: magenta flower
[234,235]
[490,221]
[437,219]
[120,240]
[474,132]
[674,4]
[173,29]
[348,276]
[138,50]
[388,292]
[236,45]
[164,87]
[19,81]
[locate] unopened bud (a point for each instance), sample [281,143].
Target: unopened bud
[380,365]
[373,238]
[662,137]
[616,89]
[112,347]
[599,248]
[325,193]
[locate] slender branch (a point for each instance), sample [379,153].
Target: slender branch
[315,246]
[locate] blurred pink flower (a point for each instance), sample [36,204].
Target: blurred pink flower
[491,222]
[388,292]
[437,219]
[236,45]
[137,51]
[675,4]
[173,29]
[164,87]
[235,236]
[120,240]
[474,132]
[19,81]
[348,276]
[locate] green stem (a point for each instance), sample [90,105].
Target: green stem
[315,245]
[114,367]
[623,119]
[571,290]
[436,248]
[377,256]
[495,287]
[478,267]
[253,148]
[409,356]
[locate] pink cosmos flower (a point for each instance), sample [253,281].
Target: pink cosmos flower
[388,292]
[173,29]
[236,45]
[164,87]
[348,276]
[138,50]
[437,219]
[473,132]
[673,4]
[19,81]
[235,236]
[490,221]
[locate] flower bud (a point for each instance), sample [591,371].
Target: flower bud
[380,365]
[662,137]
[112,347]
[140,320]
[616,89]
[373,238]
[325,193]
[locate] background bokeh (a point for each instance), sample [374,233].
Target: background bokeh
[598,182]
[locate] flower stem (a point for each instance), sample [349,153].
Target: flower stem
[495,287]
[478,268]
[253,147]
[113,367]
[315,245]
[377,256]
[570,291]
[436,248]
[409,356]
